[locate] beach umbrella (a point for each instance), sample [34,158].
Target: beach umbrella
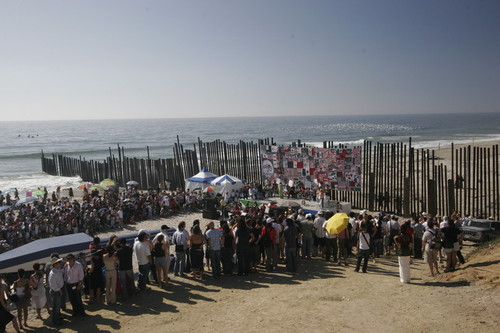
[337,223]
[209,189]
[107,182]
[132,183]
[85,185]
[38,192]
[4,208]
[96,187]
[26,200]
[9,190]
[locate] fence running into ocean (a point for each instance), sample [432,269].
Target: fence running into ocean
[396,176]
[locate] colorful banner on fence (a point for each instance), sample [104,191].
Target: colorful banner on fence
[339,168]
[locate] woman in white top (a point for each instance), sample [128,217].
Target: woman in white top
[363,247]
[38,297]
[23,293]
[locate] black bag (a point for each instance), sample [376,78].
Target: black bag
[14,298]
[179,248]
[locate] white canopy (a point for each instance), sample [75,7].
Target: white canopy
[227,183]
[201,180]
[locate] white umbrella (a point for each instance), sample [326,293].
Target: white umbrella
[132,183]
[3,208]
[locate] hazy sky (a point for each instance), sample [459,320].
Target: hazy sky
[156,59]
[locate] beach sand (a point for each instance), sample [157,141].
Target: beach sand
[320,297]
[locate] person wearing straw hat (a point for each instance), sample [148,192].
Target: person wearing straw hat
[56,285]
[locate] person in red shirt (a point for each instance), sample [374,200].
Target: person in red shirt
[266,239]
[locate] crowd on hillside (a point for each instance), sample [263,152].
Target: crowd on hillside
[248,243]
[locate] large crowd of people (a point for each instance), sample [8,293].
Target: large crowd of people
[253,240]
[99,211]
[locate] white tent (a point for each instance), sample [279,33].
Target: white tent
[200,181]
[39,251]
[227,183]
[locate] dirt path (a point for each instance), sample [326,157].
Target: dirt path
[321,297]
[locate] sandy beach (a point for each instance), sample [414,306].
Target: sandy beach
[321,296]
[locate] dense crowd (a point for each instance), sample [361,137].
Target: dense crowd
[252,240]
[94,213]
[97,211]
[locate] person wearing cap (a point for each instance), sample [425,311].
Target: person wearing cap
[319,234]
[56,285]
[47,268]
[307,232]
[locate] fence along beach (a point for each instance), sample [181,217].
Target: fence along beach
[396,177]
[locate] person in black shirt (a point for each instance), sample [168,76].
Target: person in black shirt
[125,272]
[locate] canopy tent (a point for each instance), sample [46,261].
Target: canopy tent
[227,183]
[201,180]
[39,251]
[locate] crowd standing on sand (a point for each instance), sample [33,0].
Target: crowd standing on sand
[99,211]
[251,241]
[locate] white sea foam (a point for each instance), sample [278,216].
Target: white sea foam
[467,139]
[34,181]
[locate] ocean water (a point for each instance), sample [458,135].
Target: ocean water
[23,142]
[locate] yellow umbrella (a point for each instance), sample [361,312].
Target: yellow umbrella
[107,183]
[97,187]
[337,223]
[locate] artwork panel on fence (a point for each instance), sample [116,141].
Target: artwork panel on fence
[338,167]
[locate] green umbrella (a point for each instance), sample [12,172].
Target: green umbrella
[38,192]
[107,183]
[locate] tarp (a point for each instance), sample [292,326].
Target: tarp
[201,180]
[39,251]
[227,183]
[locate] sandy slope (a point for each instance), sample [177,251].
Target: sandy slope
[321,297]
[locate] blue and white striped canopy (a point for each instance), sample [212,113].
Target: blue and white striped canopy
[226,179]
[204,176]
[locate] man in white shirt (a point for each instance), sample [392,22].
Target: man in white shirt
[142,252]
[56,285]
[319,234]
[74,282]
[180,239]
[214,240]
[330,244]
[276,246]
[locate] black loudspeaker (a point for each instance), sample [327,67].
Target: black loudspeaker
[210,215]
[209,205]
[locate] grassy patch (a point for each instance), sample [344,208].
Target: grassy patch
[486,245]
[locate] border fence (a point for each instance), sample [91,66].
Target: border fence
[397,177]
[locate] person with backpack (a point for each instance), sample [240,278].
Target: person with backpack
[431,244]
[267,238]
[363,247]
